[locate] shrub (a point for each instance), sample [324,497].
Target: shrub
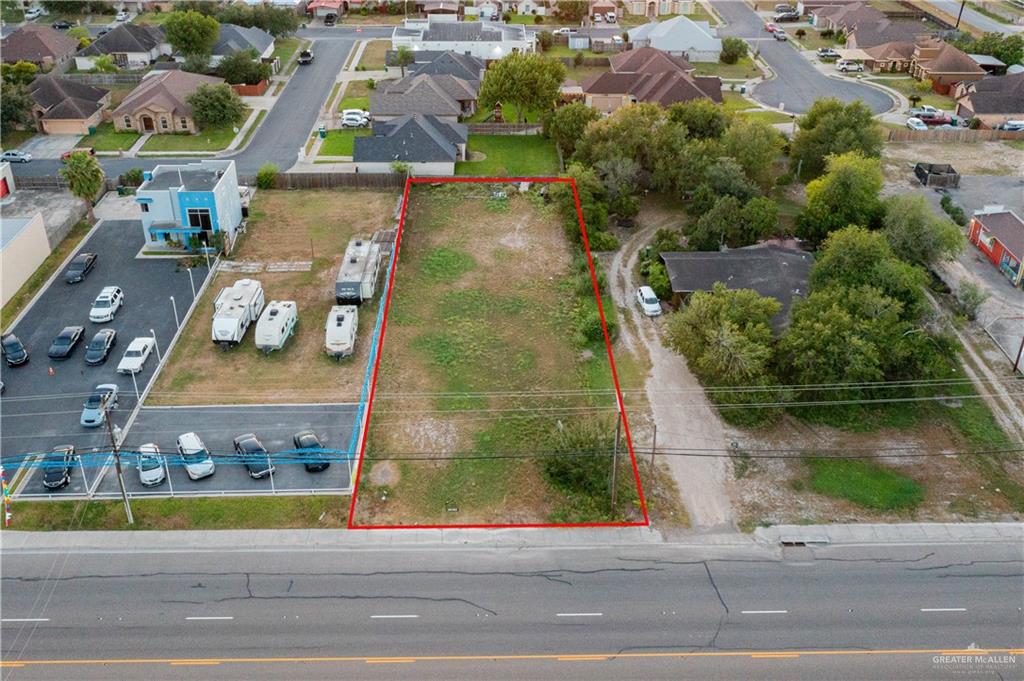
[828,33]
[603,241]
[800,33]
[538,19]
[132,177]
[657,279]
[266,175]
[581,461]
[733,49]
[969,298]
[577,59]
[923,85]
[546,40]
[371,84]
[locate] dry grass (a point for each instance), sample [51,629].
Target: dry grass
[373,55]
[283,226]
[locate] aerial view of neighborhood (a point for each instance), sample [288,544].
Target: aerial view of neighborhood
[512,339]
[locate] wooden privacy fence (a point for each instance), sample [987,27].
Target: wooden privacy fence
[964,135]
[504,129]
[330,180]
[105,78]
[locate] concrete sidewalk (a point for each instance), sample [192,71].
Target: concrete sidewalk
[906,533]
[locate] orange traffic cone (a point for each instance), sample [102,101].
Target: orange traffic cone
[50,371]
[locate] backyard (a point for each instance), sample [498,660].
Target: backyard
[493,364]
[509,156]
[284,226]
[107,139]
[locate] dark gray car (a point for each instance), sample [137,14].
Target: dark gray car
[99,347]
[80,267]
[64,344]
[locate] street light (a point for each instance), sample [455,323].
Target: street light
[155,344]
[177,323]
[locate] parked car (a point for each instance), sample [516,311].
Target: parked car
[565,30]
[61,25]
[784,8]
[103,31]
[14,350]
[306,57]
[33,13]
[253,455]
[648,301]
[15,156]
[598,19]
[827,53]
[315,461]
[786,16]
[362,113]
[100,346]
[80,267]
[102,400]
[916,124]
[78,150]
[924,110]
[617,39]
[1013,126]
[610,17]
[106,305]
[354,121]
[151,465]
[122,16]
[135,356]
[847,65]
[770,27]
[330,19]
[57,466]
[195,456]
[780,35]
[935,121]
[64,344]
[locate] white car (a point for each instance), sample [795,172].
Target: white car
[565,30]
[106,305]
[355,113]
[33,13]
[610,17]
[916,124]
[354,121]
[648,301]
[617,39]
[151,465]
[136,355]
[195,456]
[15,156]
[122,16]
[924,110]
[1013,126]
[847,65]
[598,18]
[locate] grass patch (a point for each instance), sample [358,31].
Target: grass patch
[566,51]
[373,55]
[118,93]
[734,101]
[260,115]
[772,117]
[743,69]
[988,13]
[865,483]
[812,39]
[153,18]
[356,96]
[194,513]
[20,299]
[15,138]
[107,139]
[906,86]
[510,156]
[341,142]
[11,13]
[284,48]
[209,139]
[1016,144]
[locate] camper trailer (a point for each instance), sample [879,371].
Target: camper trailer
[235,308]
[276,324]
[342,323]
[357,277]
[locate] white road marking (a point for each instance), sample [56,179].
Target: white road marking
[943,609]
[25,619]
[393,617]
[580,614]
[764,612]
[225,617]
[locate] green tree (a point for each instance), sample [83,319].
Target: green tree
[241,66]
[847,194]
[718,226]
[529,81]
[404,57]
[754,145]
[760,219]
[733,49]
[572,11]
[831,127]
[567,124]
[266,176]
[592,202]
[679,164]
[702,118]
[917,234]
[545,39]
[619,175]
[17,107]
[104,63]
[197,63]
[726,178]
[216,106]
[84,176]
[191,33]
[626,133]
[19,73]
[1008,49]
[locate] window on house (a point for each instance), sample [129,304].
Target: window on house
[199,217]
[145,207]
[163,124]
[184,123]
[127,121]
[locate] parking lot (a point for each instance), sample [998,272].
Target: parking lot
[39,411]
[274,425]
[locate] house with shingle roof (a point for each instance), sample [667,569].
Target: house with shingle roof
[447,97]
[233,38]
[650,76]
[41,45]
[993,100]
[944,65]
[679,36]
[481,39]
[874,33]
[999,234]
[66,107]
[843,18]
[891,57]
[132,46]
[448,63]
[159,105]
[429,144]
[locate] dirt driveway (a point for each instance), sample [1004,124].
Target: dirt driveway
[695,424]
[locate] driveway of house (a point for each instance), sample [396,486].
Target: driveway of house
[796,83]
[49,146]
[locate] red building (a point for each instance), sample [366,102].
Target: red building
[999,234]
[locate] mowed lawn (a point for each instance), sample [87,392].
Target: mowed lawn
[207,139]
[355,96]
[341,142]
[510,156]
[374,54]
[742,70]
[908,87]
[107,139]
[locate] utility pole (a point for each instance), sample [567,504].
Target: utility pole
[1016,363]
[654,444]
[615,463]
[116,449]
[960,14]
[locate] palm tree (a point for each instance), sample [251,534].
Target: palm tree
[84,176]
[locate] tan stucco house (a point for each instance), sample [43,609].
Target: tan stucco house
[158,104]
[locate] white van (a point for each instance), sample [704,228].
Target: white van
[276,325]
[340,336]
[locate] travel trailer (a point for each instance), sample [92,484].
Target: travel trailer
[235,308]
[276,324]
[342,323]
[357,277]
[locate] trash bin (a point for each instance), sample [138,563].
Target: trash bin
[120,190]
[323,132]
[743,89]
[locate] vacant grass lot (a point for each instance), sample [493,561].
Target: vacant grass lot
[283,226]
[865,483]
[341,142]
[373,55]
[107,139]
[483,366]
[509,156]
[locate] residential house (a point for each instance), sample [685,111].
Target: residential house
[651,76]
[39,44]
[67,107]
[655,8]
[428,8]
[23,248]
[695,41]
[481,39]
[874,33]
[233,38]
[321,8]
[429,144]
[842,18]
[446,97]
[944,65]
[190,200]
[993,100]
[991,64]
[892,57]
[464,66]
[999,235]
[771,270]
[132,46]
[159,103]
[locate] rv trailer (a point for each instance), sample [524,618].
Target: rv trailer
[340,336]
[235,308]
[276,325]
[357,277]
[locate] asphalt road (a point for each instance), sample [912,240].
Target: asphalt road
[974,17]
[796,83]
[38,411]
[650,611]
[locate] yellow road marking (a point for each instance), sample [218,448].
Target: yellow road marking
[511,658]
[583,658]
[773,656]
[196,662]
[12,664]
[390,660]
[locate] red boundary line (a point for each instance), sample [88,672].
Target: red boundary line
[380,346]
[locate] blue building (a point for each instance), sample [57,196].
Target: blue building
[191,200]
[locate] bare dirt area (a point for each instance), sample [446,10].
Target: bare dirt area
[284,227]
[483,368]
[980,158]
